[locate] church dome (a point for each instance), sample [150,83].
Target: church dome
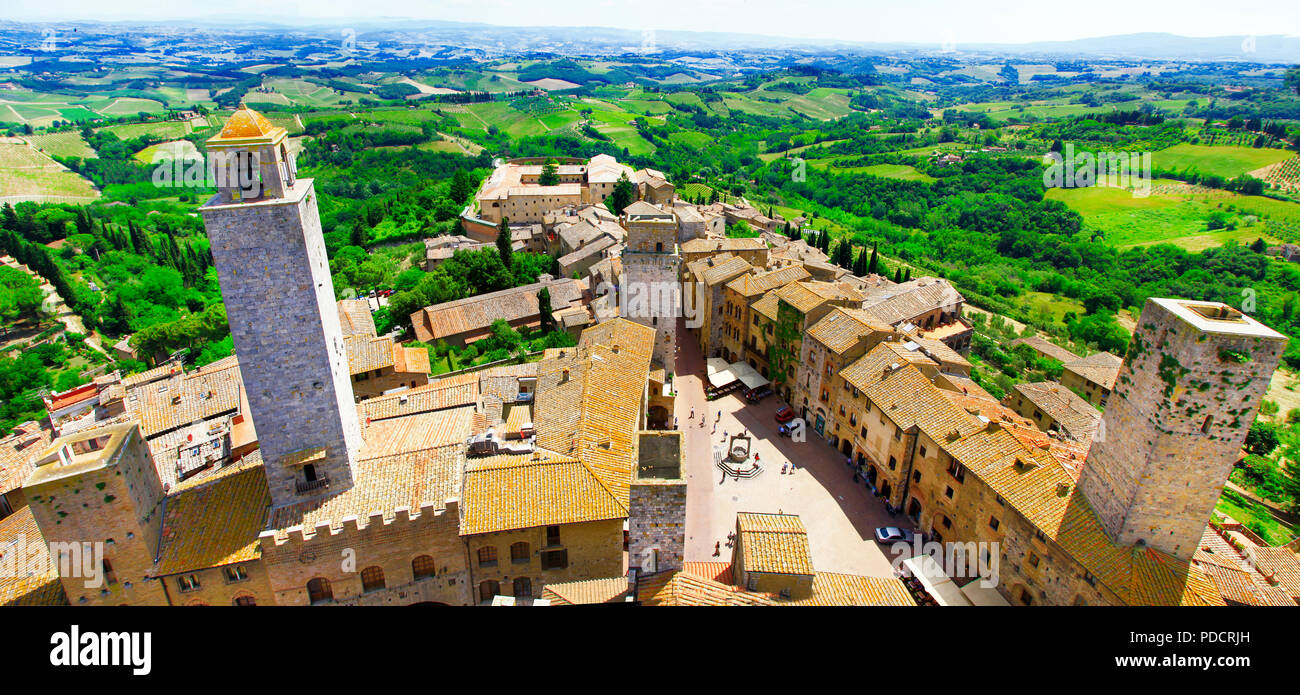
[247,124]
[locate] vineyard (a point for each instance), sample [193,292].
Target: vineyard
[1285,176]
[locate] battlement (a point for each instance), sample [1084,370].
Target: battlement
[347,526]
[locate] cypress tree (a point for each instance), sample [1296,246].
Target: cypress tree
[874,264]
[503,243]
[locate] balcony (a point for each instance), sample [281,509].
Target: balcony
[305,486]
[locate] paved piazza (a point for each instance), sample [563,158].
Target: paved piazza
[840,515]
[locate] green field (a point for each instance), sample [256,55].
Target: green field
[26,174]
[68,143]
[170,130]
[168,150]
[1126,220]
[1221,160]
[897,171]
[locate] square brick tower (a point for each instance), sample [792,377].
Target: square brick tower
[275,280]
[651,276]
[1186,396]
[656,516]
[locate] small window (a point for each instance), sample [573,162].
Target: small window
[994,523]
[555,559]
[523,587]
[422,567]
[245,601]
[892,463]
[948,492]
[519,552]
[552,535]
[109,575]
[487,556]
[916,476]
[372,579]
[235,574]
[188,582]
[922,452]
[1033,560]
[319,589]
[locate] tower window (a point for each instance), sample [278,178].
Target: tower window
[487,556]
[372,579]
[422,567]
[1205,426]
[319,589]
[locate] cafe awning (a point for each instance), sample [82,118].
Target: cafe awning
[749,375]
[942,589]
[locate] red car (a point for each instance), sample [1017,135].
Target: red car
[785,414]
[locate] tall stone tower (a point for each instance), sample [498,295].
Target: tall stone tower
[651,289]
[1186,396]
[275,280]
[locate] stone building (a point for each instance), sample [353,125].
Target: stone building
[738,316]
[1092,377]
[1187,394]
[657,504]
[1052,406]
[378,365]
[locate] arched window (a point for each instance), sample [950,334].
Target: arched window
[519,552]
[487,556]
[319,590]
[487,589]
[372,578]
[245,601]
[523,587]
[422,567]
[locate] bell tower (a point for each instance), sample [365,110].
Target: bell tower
[267,245]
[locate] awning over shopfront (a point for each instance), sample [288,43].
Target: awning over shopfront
[720,373]
[942,589]
[749,375]
[981,595]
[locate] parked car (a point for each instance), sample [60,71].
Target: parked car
[785,414]
[758,394]
[893,534]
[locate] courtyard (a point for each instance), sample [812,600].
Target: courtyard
[841,515]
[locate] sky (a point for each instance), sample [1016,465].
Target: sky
[930,21]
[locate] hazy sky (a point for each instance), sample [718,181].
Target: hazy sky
[928,21]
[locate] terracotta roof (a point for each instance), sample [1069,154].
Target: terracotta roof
[515,491]
[717,571]
[367,353]
[391,473]
[1077,417]
[439,394]
[478,312]
[724,270]
[216,522]
[1100,368]
[1052,350]
[776,543]
[908,300]
[805,296]
[34,579]
[701,245]
[182,399]
[594,414]
[835,589]
[355,317]
[752,285]
[843,328]
[686,589]
[609,590]
[18,451]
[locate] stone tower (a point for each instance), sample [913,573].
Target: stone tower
[98,502]
[656,516]
[651,290]
[275,281]
[1186,396]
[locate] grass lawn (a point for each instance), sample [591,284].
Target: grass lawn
[1223,160]
[897,171]
[1255,517]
